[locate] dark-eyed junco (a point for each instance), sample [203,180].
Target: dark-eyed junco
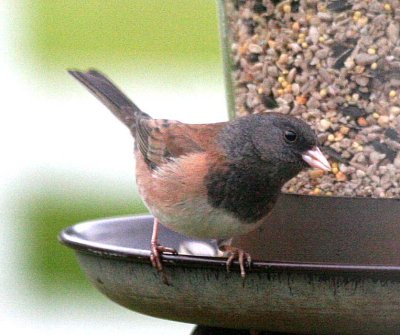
[210,180]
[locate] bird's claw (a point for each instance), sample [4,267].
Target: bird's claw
[155,258]
[242,256]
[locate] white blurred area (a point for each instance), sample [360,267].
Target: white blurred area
[66,129]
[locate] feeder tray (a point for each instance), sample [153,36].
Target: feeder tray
[326,265]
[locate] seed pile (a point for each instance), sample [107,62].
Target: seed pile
[335,64]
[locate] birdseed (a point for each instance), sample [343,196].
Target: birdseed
[336,65]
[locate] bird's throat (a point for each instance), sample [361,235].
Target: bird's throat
[247,194]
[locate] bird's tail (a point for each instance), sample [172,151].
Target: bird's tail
[110,95]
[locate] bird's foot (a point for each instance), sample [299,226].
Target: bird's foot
[239,254]
[155,258]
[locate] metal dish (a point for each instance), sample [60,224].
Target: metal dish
[353,289]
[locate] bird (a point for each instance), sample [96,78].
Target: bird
[210,181]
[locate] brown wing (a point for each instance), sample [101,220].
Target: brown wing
[162,140]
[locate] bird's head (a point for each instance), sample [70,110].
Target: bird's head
[280,143]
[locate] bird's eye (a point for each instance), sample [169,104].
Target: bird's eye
[290,136]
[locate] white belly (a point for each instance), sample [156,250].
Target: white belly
[198,219]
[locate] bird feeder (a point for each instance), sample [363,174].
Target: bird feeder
[328,259]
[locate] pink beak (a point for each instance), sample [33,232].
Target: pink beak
[315,158]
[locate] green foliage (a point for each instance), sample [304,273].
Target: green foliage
[50,203]
[71,32]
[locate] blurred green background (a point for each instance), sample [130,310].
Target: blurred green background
[167,47]
[121,33]
[140,31]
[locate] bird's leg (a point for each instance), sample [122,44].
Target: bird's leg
[157,250]
[239,254]
[235,253]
